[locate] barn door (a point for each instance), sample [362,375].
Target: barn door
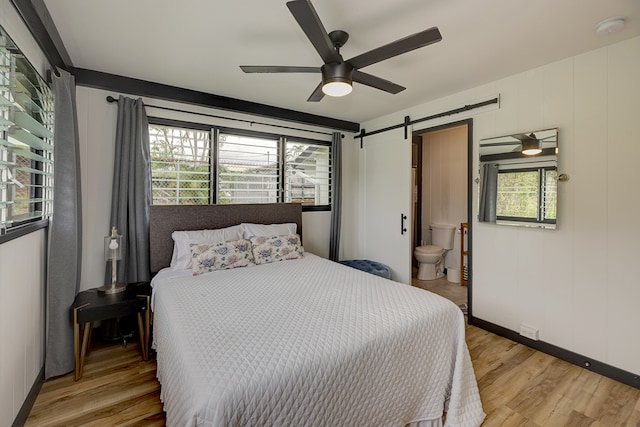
[387,210]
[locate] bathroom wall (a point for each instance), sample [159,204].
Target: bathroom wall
[444,183]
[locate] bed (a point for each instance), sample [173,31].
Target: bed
[302,341]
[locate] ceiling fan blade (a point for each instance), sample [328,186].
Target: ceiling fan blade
[501,144]
[376,82]
[317,94]
[524,137]
[278,69]
[307,18]
[398,47]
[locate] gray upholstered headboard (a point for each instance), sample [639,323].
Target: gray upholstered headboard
[164,220]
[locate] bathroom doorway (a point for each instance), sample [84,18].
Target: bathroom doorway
[441,186]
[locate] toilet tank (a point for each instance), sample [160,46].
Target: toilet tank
[442,235]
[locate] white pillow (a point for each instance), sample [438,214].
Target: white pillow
[182,241]
[268,230]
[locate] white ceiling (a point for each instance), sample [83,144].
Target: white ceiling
[199,44]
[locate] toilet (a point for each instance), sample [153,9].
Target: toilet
[431,257]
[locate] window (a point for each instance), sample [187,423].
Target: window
[527,195]
[26,140]
[180,165]
[248,169]
[308,173]
[240,167]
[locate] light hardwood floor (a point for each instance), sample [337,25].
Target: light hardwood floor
[117,388]
[449,290]
[518,387]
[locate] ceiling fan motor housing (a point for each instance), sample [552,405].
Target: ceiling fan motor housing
[337,72]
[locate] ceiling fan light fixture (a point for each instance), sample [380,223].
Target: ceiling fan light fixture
[337,79]
[336,89]
[532,146]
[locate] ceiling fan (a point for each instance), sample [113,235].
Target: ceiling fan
[338,74]
[530,144]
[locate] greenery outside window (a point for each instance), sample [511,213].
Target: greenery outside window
[26,140]
[240,167]
[527,195]
[180,165]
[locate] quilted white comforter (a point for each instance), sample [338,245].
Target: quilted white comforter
[309,342]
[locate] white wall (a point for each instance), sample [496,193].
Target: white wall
[352,204]
[576,284]
[96,132]
[97,124]
[22,304]
[22,319]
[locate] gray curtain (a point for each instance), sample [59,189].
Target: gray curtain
[488,193]
[131,196]
[65,230]
[336,196]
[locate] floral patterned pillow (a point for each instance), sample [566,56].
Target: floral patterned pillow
[276,248]
[220,256]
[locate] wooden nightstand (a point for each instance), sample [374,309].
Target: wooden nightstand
[90,306]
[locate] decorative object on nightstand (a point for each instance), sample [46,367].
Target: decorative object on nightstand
[113,253]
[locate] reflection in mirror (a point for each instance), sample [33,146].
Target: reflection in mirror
[518,179]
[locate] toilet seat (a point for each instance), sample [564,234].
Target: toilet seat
[429,250]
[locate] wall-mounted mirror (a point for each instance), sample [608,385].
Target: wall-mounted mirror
[518,179]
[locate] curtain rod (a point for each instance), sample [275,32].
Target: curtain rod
[251,122]
[408,122]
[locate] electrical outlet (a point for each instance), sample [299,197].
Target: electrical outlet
[529,332]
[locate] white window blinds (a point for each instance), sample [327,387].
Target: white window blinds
[248,169]
[180,165]
[307,173]
[26,139]
[195,163]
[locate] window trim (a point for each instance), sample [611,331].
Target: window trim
[178,123]
[23,230]
[191,126]
[311,208]
[215,133]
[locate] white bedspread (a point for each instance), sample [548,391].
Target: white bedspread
[309,342]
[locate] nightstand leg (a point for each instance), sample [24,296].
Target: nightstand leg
[76,343]
[147,327]
[85,341]
[142,334]
[89,340]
